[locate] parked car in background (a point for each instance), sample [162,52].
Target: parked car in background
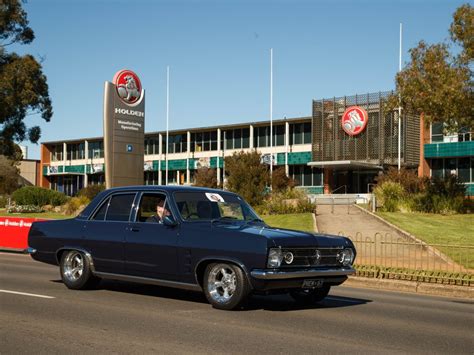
[190,238]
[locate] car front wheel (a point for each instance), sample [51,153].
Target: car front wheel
[76,271]
[225,286]
[309,296]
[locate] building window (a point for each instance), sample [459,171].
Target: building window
[305,175]
[262,136]
[203,141]
[96,150]
[462,167]
[152,145]
[300,133]
[57,152]
[75,151]
[236,138]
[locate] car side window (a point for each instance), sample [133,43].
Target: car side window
[120,207]
[100,214]
[153,208]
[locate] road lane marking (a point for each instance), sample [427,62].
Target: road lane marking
[26,294]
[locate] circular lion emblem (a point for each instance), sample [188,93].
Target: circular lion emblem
[354,120]
[128,86]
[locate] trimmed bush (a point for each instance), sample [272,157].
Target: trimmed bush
[91,191]
[289,201]
[75,205]
[38,196]
[390,194]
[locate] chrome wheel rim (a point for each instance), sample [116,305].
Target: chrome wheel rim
[73,266]
[222,283]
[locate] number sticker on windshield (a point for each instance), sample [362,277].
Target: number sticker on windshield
[214,197]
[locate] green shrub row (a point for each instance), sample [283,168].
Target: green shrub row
[38,196]
[289,201]
[442,196]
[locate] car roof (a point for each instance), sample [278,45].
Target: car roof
[168,188]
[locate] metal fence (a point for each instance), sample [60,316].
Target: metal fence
[388,256]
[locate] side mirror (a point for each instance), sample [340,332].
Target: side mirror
[169,221]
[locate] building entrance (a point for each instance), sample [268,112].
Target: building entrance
[353,181]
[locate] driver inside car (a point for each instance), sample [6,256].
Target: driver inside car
[161,212]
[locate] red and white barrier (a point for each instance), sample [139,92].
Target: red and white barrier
[14,232]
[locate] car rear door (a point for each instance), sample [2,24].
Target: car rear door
[150,246]
[104,233]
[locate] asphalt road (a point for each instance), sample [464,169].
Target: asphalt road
[128,318]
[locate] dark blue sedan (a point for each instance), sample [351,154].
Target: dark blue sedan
[191,238]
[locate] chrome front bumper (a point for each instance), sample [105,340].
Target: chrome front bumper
[30,250]
[267,274]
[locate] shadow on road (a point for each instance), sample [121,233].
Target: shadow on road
[284,303]
[277,303]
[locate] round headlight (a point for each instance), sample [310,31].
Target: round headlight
[345,257]
[274,258]
[288,257]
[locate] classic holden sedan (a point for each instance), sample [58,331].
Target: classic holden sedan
[190,238]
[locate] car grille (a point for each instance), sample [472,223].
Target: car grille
[311,257]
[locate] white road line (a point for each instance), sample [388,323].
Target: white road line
[26,294]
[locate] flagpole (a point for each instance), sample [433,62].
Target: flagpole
[271,118]
[167,118]
[400,105]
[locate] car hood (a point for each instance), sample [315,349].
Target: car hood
[292,238]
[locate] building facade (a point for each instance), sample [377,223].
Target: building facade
[314,151]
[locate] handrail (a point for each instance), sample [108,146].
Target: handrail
[344,186]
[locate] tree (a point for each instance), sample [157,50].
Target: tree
[438,84]
[9,175]
[22,83]
[247,176]
[281,182]
[205,177]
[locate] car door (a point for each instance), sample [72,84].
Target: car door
[151,246]
[104,233]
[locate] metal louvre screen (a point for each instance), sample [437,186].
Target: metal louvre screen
[377,144]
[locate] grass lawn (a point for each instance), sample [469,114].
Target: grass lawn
[45,215]
[438,229]
[298,221]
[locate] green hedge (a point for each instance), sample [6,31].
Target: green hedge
[38,196]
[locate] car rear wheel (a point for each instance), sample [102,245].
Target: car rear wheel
[225,286]
[76,271]
[309,296]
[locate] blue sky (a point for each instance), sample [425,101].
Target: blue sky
[219,55]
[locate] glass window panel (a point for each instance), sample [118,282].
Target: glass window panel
[229,137]
[437,132]
[245,137]
[100,214]
[464,170]
[307,176]
[437,168]
[207,141]
[449,166]
[237,138]
[119,208]
[263,136]
[307,133]
[279,135]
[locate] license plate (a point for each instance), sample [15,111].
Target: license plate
[313,283]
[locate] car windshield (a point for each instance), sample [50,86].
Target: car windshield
[195,206]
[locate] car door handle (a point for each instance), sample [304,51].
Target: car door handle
[134,229]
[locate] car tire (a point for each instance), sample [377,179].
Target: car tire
[76,271]
[225,286]
[310,296]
